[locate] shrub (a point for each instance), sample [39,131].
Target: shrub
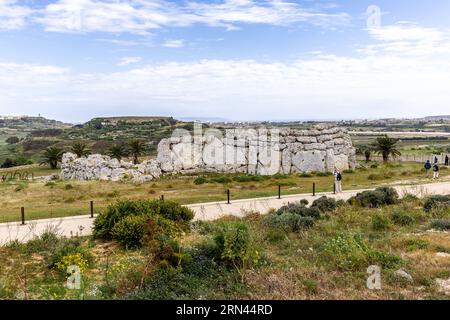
[304,202]
[402,218]
[437,202]
[324,174]
[250,178]
[380,222]
[105,222]
[130,231]
[68,187]
[376,198]
[222,179]
[300,209]
[409,198]
[325,204]
[200,180]
[306,175]
[289,222]
[234,244]
[441,224]
[68,247]
[75,259]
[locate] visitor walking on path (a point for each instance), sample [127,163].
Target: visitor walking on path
[436,171]
[427,167]
[338,181]
[446,159]
[436,160]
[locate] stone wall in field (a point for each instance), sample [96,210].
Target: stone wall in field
[253,151]
[263,152]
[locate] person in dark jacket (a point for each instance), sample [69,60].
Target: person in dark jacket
[427,167]
[436,171]
[435,160]
[446,160]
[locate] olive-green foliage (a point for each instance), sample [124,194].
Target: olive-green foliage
[325,204]
[349,252]
[300,209]
[234,243]
[130,231]
[375,198]
[441,224]
[437,202]
[380,222]
[401,217]
[289,222]
[125,221]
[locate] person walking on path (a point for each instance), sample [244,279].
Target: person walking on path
[338,181]
[436,171]
[446,160]
[436,160]
[427,167]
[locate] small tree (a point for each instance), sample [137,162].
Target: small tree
[117,151]
[366,151]
[52,156]
[80,149]
[386,147]
[12,140]
[137,148]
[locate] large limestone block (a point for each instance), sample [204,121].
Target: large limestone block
[309,161]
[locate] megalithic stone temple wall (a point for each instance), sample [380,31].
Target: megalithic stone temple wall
[253,151]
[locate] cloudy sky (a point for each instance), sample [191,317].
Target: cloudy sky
[238,59]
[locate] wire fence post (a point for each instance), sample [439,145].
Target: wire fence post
[314,189]
[92,209]
[22,214]
[162,197]
[334,188]
[279,191]
[228,196]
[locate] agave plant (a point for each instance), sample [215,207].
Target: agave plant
[52,156]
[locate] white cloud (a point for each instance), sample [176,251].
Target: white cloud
[125,61]
[12,16]
[320,87]
[173,44]
[405,38]
[140,17]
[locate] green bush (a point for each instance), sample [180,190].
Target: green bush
[402,218]
[67,247]
[380,222]
[376,198]
[441,224]
[325,204]
[324,174]
[306,175]
[105,222]
[300,209]
[200,180]
[289,222]
[234,244]
[222,179]
[349,252]
[437,202]
[130,231]
[250,178]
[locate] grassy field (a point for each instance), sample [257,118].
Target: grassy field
[327,261]
[66,198]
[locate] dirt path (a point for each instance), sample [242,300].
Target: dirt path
[82,225]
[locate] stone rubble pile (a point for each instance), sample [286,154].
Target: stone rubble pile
[263,152]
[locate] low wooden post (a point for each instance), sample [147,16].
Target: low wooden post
[92,209]
[314,189]
[162,197]
[228,196]
[279,191]
[334,188]
[22,214]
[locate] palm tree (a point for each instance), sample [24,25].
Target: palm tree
[117,151]
[81,149]
[137,148]
[366,151]
[386,147]
[52,156]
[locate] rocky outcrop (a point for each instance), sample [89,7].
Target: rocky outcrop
[263,152]
[100,167]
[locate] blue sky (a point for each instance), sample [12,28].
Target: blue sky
[238,59]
